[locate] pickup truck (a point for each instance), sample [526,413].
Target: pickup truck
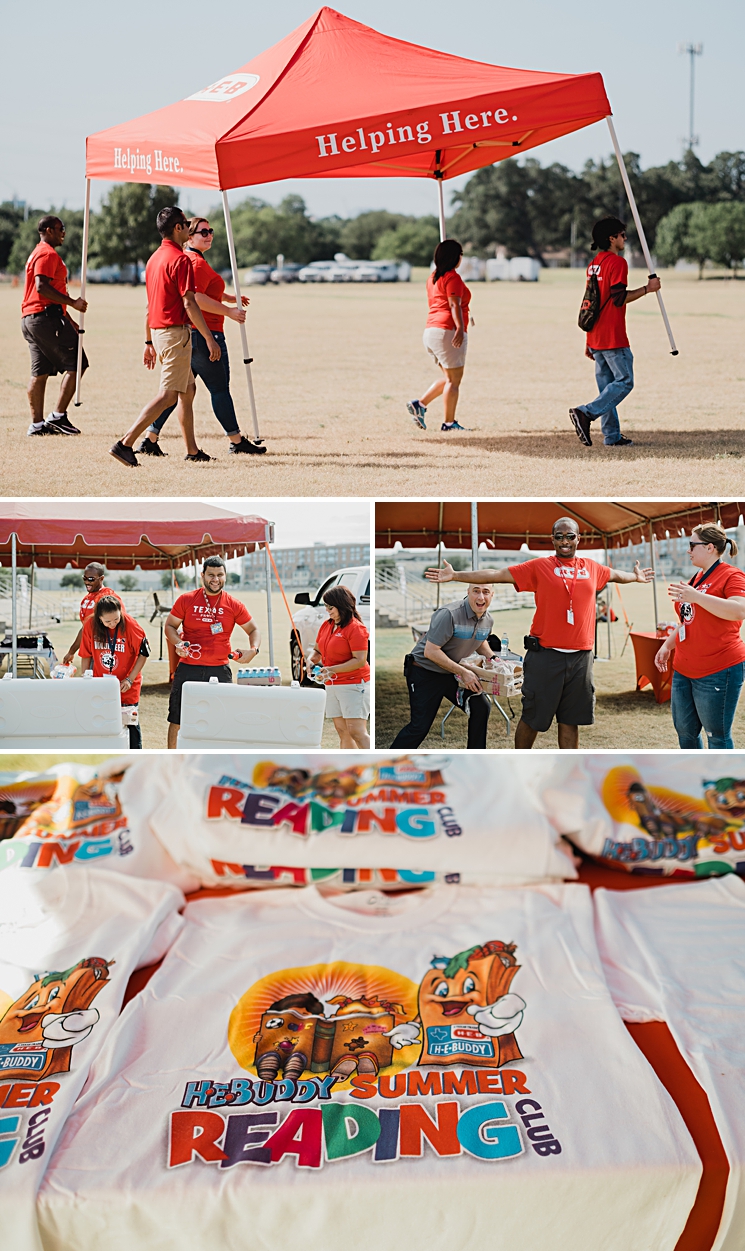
[313,612]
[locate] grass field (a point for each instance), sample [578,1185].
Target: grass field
[155,684]
[335,365]
[625,719]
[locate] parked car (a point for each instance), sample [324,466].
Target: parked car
[288,273]
[313,613]
[256,276]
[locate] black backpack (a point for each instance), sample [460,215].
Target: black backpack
[590,308]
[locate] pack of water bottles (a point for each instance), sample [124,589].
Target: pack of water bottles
[256,676]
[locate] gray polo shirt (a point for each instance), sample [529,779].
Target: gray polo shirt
[457,630]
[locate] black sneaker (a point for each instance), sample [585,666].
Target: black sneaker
[41,427]
[581,423]
[150,447]
[199,455]
[247,446]
[61,425]
[622,442]
[124,455]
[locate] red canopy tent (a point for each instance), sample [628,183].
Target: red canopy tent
[124,534]
[338,99]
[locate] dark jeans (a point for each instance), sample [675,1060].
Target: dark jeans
[216,377]
[135,737]
[707,703]
[426,692]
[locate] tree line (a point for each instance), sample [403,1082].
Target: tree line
[690,210]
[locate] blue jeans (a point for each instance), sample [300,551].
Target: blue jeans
[216,377]
[708,702]
[614,374]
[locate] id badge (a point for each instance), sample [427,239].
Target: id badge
[570,616]
[681,633]
[216,627]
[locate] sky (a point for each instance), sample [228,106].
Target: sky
[76,68]
[306,521]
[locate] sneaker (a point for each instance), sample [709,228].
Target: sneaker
[199,455]
[622,442]
[417,411]
[247,446]
[61,425]
[581,423]
[148,447]
[125,455]
[454,425]
[42,427]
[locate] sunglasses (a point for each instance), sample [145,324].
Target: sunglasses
[692,545]
[204,233]
[91,578]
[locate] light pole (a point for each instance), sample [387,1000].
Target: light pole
[692,50]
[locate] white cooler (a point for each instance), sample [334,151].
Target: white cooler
[61,715]
[214,714]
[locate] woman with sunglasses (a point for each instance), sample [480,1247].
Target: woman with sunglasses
[707,650]
[216,306]
[114,645]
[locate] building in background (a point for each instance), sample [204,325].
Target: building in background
[301,567]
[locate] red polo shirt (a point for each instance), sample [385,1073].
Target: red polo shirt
[43,260]
[336,647]
[208,283]
[91,598]
[168,276]
[561,585]
[710,644]
[199,612]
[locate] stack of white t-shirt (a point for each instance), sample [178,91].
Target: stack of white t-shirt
[85,821]
[489,1093]
[68,944]
[247,820]
[678,955]
[681,815]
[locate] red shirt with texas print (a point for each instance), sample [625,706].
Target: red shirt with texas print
[201,612]
[115,657]
[609,331]
[710,644]
[562,587]
[91,598]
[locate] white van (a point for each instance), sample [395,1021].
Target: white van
[313,613]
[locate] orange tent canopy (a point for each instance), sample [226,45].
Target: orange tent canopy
[338,99]
[507,524]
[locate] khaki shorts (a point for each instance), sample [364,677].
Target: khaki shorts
[439,344]
[173,345]
[351,700]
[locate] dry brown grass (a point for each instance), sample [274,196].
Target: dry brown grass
[155,685]
[335,365]
[625,719]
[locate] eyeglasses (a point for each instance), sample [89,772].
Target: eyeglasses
[204,233]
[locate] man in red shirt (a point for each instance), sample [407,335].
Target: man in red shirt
[207,616]
[94,577]
[52,335]
[607,343]
[171,305]
[557,679]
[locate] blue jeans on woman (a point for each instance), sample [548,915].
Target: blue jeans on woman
[216,377]
[614,374]
[708,702]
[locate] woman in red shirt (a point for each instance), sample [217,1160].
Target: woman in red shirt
[708,652]
[341,650]
[216,306]
[113,644]
[446,333]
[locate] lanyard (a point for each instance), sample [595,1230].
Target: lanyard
[570,590]
[703,575]
[111,643]
[212,610]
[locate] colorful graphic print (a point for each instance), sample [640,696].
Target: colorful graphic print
[39,1029]
[71,821]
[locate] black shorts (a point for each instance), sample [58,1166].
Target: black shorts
[193,673]
[53,344]
[557,684]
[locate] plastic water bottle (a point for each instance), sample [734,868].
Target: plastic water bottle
[39,642]
[505,643]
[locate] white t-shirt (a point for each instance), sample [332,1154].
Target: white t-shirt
[248,820]
[678,955]
[489,1094]
[669,815]
[68,944]
[78,817]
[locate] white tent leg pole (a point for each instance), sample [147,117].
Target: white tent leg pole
[441,208]
[244,336]
[474,535]
[83,276]
[268,564]
[13,609]
[640,231]
[653,563]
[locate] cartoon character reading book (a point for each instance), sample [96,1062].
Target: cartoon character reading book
[39,1030]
